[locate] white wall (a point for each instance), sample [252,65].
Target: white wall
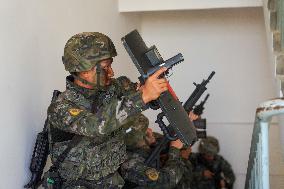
[33,34]
[233,43]
[32,37]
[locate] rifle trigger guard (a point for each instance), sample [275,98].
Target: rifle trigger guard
[164,128]
[154,105]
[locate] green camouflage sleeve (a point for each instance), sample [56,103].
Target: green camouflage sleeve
[135,171]
[197,171]
[229,175]
[71,117]
[187,177]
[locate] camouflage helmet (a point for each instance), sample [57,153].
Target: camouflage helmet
[137,131]
[84,50]
[209,145]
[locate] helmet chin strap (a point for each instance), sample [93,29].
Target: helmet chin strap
[84,81]
[98,72]
[96,86]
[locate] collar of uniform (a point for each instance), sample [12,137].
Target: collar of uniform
[88,93]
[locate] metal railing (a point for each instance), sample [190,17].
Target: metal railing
[279,6]
[258,165]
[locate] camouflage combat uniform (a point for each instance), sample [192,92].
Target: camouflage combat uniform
[219,166]
[102,149]
[187,176]
[97,115]
[136,173]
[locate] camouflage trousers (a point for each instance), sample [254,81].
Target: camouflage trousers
[94,187]
[113,181]
[67,186]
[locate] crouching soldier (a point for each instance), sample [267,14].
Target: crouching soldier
[136,173]
[210,170]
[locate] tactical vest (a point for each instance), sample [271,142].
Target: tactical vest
[93,158]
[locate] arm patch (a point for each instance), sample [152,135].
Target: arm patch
[152,174]
[74,111]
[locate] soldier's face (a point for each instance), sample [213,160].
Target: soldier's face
[106,73]
[185,153]
[150,139]
[208,157]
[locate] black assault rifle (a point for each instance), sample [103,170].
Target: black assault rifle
[40,153]
[196,94]
[148,61]
[189,104]
[200,123]
[198,109]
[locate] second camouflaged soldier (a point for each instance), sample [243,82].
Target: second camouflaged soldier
[210,170]
[136,173]
[139,141]
[185,152]
[93,108]
[186,179]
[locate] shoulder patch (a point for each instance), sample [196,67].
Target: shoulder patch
[74,111]
[152,174]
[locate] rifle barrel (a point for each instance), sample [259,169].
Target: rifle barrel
[210,76]
[204,101]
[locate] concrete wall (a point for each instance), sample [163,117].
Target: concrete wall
[32,37]
[231,42]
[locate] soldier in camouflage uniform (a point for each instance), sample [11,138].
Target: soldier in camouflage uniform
[136,173]
[186,179]
[185,152]
[93,106]
[210,170]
